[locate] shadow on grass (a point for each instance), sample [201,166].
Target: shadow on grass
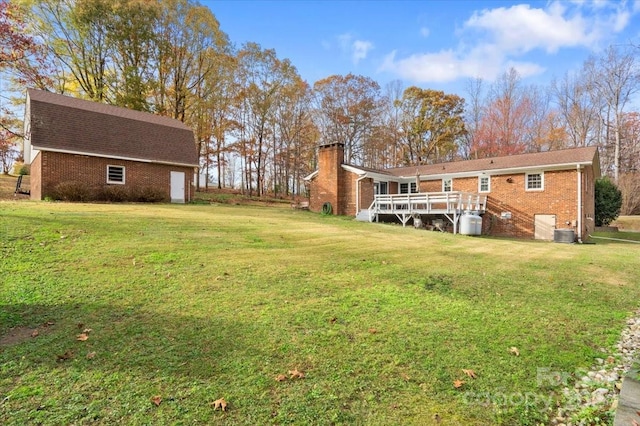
[127,339]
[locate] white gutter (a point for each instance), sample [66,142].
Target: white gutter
[579,203]
[113,157]
[491,172]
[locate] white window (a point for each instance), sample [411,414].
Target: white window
[534,181]
[404,188]
[115,174]
[447,185]
[381,187]
[484,184]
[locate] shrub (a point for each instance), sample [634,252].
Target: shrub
[608,199]
[114,194]
[147,194]
[72,191]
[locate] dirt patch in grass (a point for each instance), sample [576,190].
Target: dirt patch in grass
[18,335]
[8,187]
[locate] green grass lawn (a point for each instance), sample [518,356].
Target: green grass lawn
[200,302]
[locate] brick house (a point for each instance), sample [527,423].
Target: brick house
[527,195]
[74,140]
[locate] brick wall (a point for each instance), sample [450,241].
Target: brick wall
[508,194]
[327,185]
[57,167]
[35,183]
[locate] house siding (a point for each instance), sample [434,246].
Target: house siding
[511,209]
[509,195]
[55,168]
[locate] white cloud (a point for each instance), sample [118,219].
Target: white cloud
[493,40]
[424,31]
[520,29]
[356,49]
[360,49]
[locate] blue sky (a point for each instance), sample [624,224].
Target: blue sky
[432,44]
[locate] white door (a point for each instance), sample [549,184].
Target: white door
[545,224]
[177,187]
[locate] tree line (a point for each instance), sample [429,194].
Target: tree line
[257,123]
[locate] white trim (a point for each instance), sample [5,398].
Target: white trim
[114,157]
[444,179]
[488,178]
[367,173]
[311,175]
[124,175]
[526,181]
[514,170]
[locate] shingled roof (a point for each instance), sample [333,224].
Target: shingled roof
[64,124]
[563,158]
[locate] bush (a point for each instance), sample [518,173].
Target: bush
[608,201]
[79,191]
[72,191]
[147,194]
[114,194]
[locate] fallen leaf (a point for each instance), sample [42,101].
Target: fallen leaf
[470,373]
[405,376]
[437,418]
[49,323]
[91,355]
[373,331]
[281,378]
[35,333]
[87,330]
[611,360]
[156,400]
[65,356]
[513,350]
[333,320]
[220,403]
[295,374]
[458,383]
[82,337]
[134,262]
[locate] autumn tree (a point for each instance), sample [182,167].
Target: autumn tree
[505,118]
[386,147]
[346,108]
[262,78]
[432,124]
[21,60]
[296,138]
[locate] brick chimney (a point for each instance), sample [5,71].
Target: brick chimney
[328,183]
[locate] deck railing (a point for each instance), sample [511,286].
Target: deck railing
[428,203]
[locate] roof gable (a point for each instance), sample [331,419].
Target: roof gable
[65,124]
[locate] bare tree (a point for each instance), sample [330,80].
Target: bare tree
[613,78]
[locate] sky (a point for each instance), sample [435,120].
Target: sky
[431,44]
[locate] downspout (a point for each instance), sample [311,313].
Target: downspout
[579,203]
[358,193]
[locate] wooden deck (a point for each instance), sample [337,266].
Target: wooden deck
[450,204]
